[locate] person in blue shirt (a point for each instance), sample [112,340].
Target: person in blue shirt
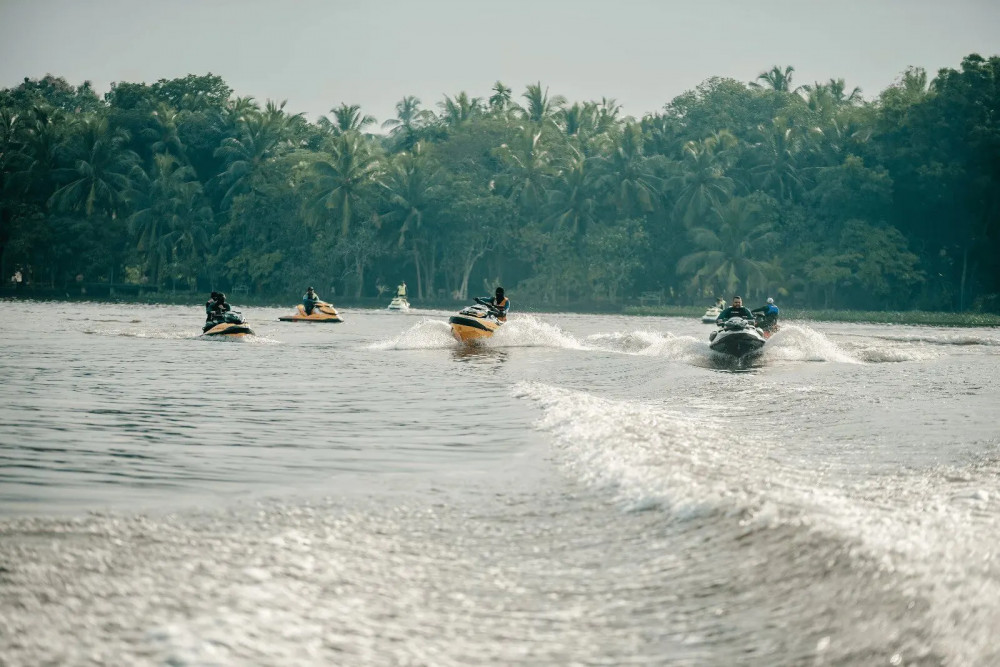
[735,310]
[309,300]
[500,304]
[768,314]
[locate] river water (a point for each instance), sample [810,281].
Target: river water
[598,490]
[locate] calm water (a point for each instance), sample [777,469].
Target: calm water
[582,490]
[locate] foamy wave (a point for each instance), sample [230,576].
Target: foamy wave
[428,334]
[143,333]
[529,331]
[878,355]
[648,456]
[947,339]
[800,343]
[650,343]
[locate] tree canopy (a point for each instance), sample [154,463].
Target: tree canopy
[811,194]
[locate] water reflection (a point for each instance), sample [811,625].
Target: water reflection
[480,355]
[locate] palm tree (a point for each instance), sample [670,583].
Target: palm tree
[729,249]
[42,145]
[572,199]
[346,118]
[409,118]
[263,136]
[838,88]
[540,108]
[343,180]
[630,176]
[528,172]
[164,137]
[702,184]
[776,155]
[500,99]
[239,109]
[457,111]
[102,176]
[776,79]
[411,183]
[174,217]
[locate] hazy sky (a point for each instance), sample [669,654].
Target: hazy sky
[317,54]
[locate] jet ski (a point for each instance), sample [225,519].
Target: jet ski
[399,303]
[737,337]
[231,325]
[474,323]
[767,326]
[711,315]
[322,312]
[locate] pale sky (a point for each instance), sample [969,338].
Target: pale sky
[320,53]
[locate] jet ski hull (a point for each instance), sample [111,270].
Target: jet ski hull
[467,329]
[736,343]
[321,313]
[398,303]
[228,330]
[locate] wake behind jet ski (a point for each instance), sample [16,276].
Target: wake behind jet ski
[737,337]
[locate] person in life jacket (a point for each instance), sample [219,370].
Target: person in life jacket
[735,310]
[768,314]
[500,304]
[401,290]
[309,300]
[215,310]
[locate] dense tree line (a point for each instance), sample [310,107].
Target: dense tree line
[810,194]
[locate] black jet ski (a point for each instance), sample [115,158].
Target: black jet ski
[737,337]
[230,325]
[474,323]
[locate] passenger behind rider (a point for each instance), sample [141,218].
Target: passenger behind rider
[309,300]
[735,310]
[500,304]
[768,313]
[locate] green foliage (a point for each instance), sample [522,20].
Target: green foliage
[812,193]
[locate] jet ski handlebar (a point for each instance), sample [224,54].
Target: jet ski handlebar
[484,302]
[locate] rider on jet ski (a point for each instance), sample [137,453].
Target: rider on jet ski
[735,310]
[309,300]
[499,303]
[215,309]
[768,313]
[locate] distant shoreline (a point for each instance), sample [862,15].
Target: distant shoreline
[915,317]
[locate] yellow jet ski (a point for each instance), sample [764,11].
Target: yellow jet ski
[230,325]
[475,323]
[322,312]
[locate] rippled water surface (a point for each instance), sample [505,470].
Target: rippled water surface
[580,490]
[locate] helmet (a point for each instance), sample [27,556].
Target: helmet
[215,295]
[309,289]
[499,291]
[222,296]
[770,300]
